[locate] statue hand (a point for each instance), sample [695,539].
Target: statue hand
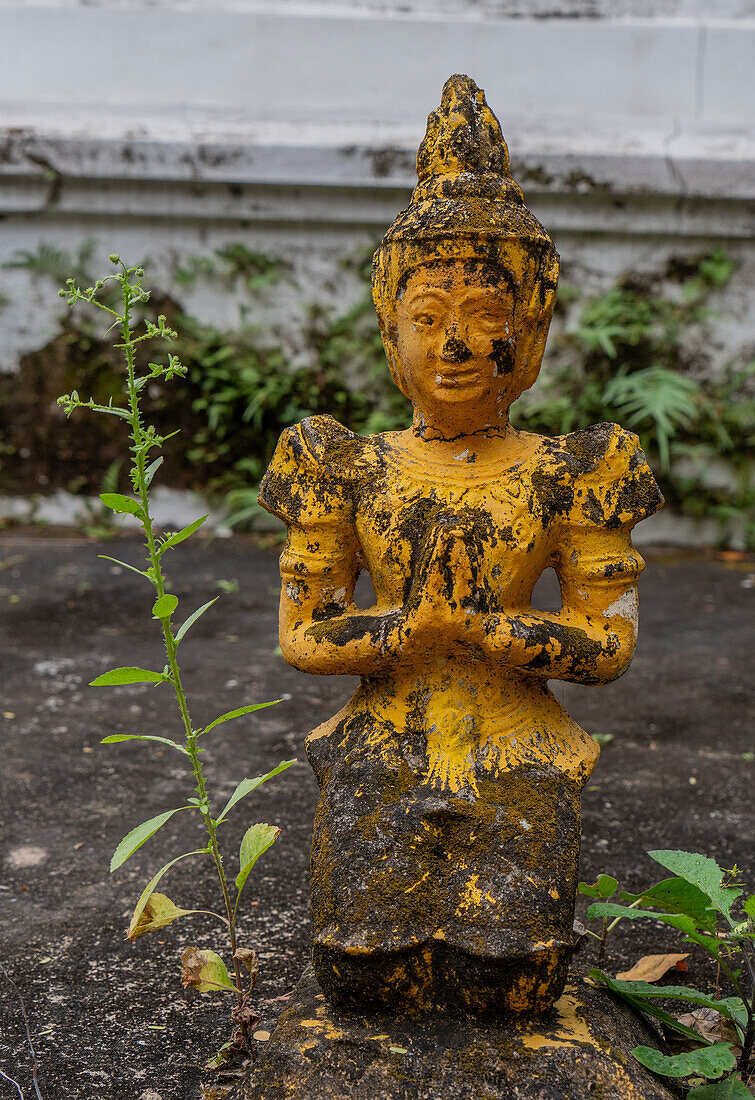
[441,605]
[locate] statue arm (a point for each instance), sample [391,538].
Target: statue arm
[321,630]
[591,639]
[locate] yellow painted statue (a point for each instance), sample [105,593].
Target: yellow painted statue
[446,839]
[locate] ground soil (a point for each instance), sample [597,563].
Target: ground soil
[110,1018]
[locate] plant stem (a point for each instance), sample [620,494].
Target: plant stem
[140,449]
[604,936]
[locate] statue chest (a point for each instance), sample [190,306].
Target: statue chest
[502,536]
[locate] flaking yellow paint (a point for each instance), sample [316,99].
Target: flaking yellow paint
[453,746]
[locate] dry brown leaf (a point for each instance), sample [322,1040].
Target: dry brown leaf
[711,1025]
[652,967]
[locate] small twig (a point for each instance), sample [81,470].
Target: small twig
[5,1077]
[10,981]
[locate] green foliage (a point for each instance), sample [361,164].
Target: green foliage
[631,358]
[54,263]
[256,841]
[700,903]
[633,354]
[655,399]
[711,1062]
[731,1088]
[233,263]
[203,970]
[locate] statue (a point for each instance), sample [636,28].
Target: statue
[446,839]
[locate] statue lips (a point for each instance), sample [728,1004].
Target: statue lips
[456,377]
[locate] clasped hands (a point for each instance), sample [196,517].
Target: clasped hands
[445,608]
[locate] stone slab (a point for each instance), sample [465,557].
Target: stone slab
[580,1049]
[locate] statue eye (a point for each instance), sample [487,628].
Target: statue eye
[425,319]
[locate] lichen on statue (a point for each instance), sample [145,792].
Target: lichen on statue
[446,838]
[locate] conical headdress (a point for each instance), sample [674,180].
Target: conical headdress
[465,206]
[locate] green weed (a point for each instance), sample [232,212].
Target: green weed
[703,903]
[204,970]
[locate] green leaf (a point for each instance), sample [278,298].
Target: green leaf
[151,470]
[640,1005]
[205,971]
[128,675]
[676,895]
[121,504]
[142,737]
[140,835]
[733,1088]
[730,1007]
[222,1056]
[605,887]
[164,606]
[256,841]
[711,944]
[749,906]
[610,909]
[712,1061]
[193,618]
[702,872]
[151,885]
[246,786]
[237,713]
[181,536]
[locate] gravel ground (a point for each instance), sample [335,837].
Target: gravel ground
[110,1018]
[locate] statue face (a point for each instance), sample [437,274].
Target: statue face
[456,344]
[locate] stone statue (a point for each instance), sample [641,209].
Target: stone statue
[446,840]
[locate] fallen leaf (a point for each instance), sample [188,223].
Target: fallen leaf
[261,1036]
[711,1025]
[652,967]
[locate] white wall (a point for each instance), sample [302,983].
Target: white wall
[167,128]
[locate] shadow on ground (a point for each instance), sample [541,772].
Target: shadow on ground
[109,1017]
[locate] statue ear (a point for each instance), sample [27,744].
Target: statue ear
[534,323]
[389,337]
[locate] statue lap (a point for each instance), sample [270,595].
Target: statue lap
[429,899]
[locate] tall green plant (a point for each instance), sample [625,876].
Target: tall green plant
[202,969]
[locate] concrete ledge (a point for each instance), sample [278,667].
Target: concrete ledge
[356,185]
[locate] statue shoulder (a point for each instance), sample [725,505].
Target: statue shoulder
[605,474]
[311,469]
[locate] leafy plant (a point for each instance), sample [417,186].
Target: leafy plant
[702,902]
[99,521]
[203,970]
[631,354]
[655,396]
[231,263]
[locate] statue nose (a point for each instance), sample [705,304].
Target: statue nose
[455,351]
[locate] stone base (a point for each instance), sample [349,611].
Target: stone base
[579,1049]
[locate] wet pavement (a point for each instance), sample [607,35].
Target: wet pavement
[110,1018]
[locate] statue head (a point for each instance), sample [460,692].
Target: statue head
[464,281]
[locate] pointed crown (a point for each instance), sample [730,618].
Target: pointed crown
[465,204]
